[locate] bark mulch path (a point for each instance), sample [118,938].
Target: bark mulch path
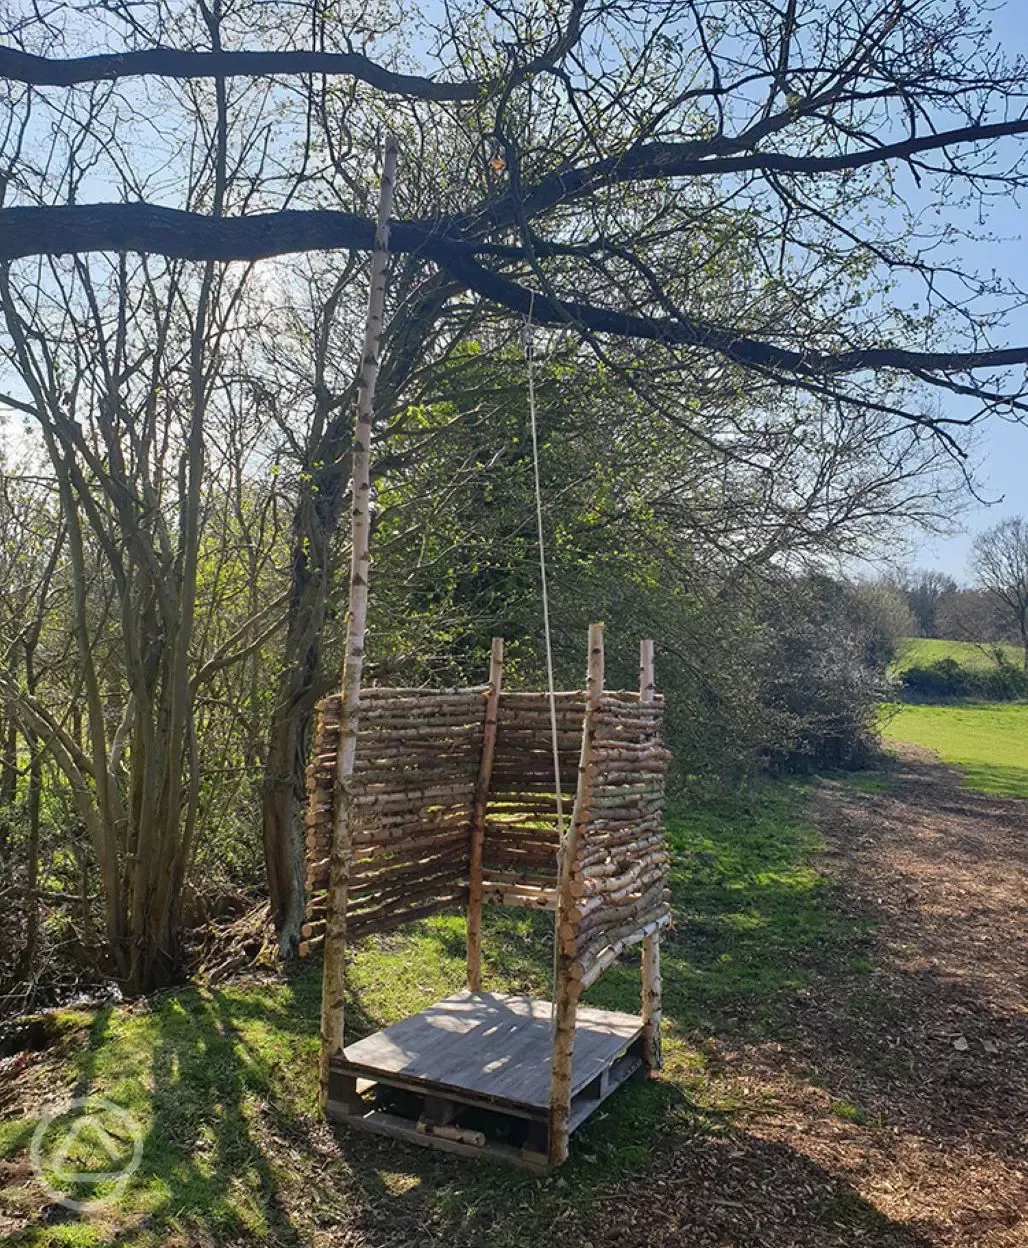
[895,1111]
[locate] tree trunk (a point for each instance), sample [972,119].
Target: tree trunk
[323,494]
[300,682]
[8,778]
[28,951]
[1024,637]
[282,828]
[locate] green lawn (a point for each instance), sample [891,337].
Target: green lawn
[223,1081]
[989,740]
[921,651]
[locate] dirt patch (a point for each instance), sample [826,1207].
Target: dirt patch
[894,1105]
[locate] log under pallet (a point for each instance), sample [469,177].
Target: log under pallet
[451,800]
[471,1075]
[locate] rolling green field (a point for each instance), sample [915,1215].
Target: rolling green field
[920,651]
[989,740]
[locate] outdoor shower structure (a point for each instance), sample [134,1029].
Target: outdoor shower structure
[454,802]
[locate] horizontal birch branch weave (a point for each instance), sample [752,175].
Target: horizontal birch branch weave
[414,790]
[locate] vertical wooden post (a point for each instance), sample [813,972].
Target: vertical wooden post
[567,987]
[333,980]
[647,687]
[651,986]
[485,771]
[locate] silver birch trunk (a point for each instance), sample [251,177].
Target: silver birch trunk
[567,988]
[333,982]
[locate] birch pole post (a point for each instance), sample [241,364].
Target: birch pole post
[333,981]
[567,986]
[651,985]
[485,771]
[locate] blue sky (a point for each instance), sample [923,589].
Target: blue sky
[1003,447]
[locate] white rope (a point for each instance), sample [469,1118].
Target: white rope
[551,689]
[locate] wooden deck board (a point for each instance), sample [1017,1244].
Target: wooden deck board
[495,1047]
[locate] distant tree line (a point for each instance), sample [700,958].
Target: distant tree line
[993,609]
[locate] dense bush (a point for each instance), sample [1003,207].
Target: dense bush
[1003,683]
[827,646]
[946,678]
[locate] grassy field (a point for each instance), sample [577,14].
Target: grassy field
[921,651]
[223,1081]
[989,740]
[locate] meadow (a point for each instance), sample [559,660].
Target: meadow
[987,740]
[922,651]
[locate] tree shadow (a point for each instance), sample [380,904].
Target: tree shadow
[99,1030]
[204,1169]
[737,1190]
[697,1182]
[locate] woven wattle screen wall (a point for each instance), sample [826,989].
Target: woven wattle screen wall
[418,756]
[620,873]
[417,760]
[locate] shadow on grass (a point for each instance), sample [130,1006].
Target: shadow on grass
[996,778]
[201,1162]
[206,1075]
[229,1069]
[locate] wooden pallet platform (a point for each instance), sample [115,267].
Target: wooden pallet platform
[471,1075]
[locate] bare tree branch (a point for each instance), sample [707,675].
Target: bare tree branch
[161,62]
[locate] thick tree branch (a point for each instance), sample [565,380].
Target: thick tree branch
[64,230]
[160,62]
[172,232]
[45,71]
[717,157]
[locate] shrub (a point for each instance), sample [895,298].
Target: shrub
[947,678]
[1004,682]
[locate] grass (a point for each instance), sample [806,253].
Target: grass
[223,1081]
[851,1113]
[989,740]
[864,781]
[921,651]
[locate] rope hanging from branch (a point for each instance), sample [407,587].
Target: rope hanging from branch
[550,684]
